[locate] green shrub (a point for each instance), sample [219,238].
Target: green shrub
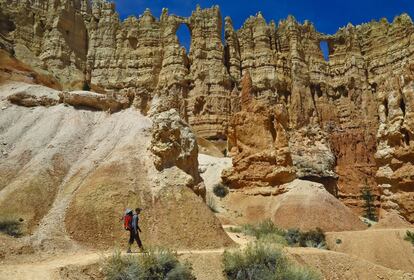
[86,86]
[369,206]
[155,265]
[293,236]
[220,190]
[11,227]
[409,236]
[313,238]
[235,229]
[273,238]
[262,261]
[269,232]
[263,228]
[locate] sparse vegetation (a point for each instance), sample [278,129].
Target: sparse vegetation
[313,238]
[86,86]
[220,190]
[409,236]
[369,207]
[211,203]
[11,227]
[262,261]
[293,236]
[235,229]
[157,264]
[269,232]
[262,229]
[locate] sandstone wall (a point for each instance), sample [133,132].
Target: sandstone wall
[334,128]
[395,152]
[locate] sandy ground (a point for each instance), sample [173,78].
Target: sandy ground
[340,266]
[385,247]
[301,204]
[206,264]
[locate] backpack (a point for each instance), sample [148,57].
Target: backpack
[128,222]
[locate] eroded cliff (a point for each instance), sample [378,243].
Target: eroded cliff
[347,125]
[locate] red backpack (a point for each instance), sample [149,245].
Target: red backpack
[128,222]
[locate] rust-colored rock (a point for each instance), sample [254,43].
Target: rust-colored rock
[258,144]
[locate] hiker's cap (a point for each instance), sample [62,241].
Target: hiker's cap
[127,211]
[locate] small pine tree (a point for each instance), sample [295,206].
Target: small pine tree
[86,86]
[369,207]
[409,237]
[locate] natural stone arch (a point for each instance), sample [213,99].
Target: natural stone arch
[184,36]
[324,47]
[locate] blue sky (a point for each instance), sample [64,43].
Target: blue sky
[327,16]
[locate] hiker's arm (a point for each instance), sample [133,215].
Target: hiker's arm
[138,228]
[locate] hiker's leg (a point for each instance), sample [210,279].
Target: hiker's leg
[138,240]
[131,237]
[130,241]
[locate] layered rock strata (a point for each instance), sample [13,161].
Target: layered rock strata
[174,144]
[68,173]
[395,152]
[332,104]
[264,160]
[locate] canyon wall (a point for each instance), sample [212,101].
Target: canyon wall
[346,125]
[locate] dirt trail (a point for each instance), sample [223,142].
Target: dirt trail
[47,269]
[333,265]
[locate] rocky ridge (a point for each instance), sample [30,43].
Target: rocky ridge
[346,124]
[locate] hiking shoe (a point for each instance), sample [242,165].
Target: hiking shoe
[129,251]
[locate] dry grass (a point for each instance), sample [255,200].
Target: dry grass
[262,261]
[269,232]
[155,264]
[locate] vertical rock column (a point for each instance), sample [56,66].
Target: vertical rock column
[103,30]
[395,149]
[173,81]
[258,57]
[209,99]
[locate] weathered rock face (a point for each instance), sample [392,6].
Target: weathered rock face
[395,153]
[265,159]
[332,105]
[51,36]
[209,99]
[174,144]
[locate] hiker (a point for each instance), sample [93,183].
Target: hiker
[131,224]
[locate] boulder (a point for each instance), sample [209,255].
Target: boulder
[103,102]
[174,144]
[31,95]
